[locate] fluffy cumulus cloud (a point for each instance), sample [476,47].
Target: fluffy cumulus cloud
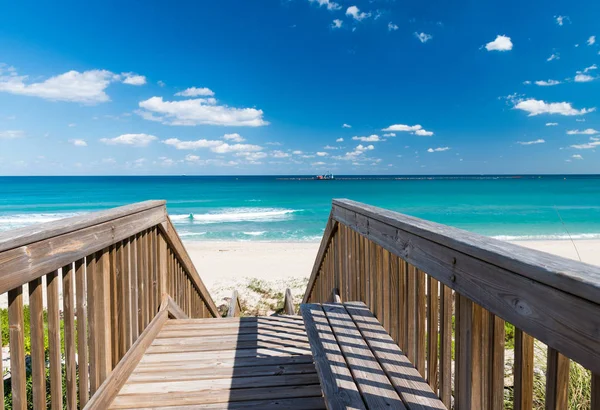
[589,131]
[414,129]
[534,142]
[548,83]
[279,154]
[137,140]
[560,20]
[576,156]
[583,76]
[392,26]
[346,126]
[553,56]
[339,140]
[337,23]
[356,14]
[322,154]
[78,142]
[537,107]
[389,134]
[438,149]
[501,43]
[327,3]
[594,143]
[235,137]
[11,134]
[591,41]
[199,111]
[217,146]
[370,138]
[551,124]
[196,92]
[133,79]
[423,37]
[357,153]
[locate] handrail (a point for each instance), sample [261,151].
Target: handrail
[115,268]
[406,269]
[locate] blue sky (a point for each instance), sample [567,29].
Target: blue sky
[299,87]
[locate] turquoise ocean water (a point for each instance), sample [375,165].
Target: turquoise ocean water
[296,208]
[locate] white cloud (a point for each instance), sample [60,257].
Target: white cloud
[501,43]
[328,3]
[537,107]
[346,126]
[11,134]
[589,131]
[160,83]
[544,83]
[235,137]
[72,125]
[217,146]
[329,147]
[591,41]
[339,140]
[370,138]
[317,163]
[322,154]
[527,82]
[539,141]
[392,26]
[86,87]
[439,149]
[551,124]
[356,13]
[337,23]
[226,148]
[423,37]
[576,156]
[554,56]
[560,20]
[133,79]
[196,92]
[590,68]
[583,78]
[297,152]
[199,111]
[138,140]
[590,145]
[78,142]
[415,129]
[279,154]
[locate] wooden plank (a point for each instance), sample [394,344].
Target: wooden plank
[257,343]
[478,369]
[411,315]
[386,282]
[421,351]
[176,245]
[17,348]
[139,254]
[102,314]
[403,305]
[575,277]
[210,363]
[127,321]
[497,345]
[38,359]
[405,378]
[112,385]
[557,381]
[174,309]
[339,388]
[330,231]
[523,371]
[288,302]
[305,403]
[113,319]
[464,353]
[535,307]
[68,286]
[169,357]
[22,264]
[394,298]
[163,265]
[432,332]
[595,396]
[133,277]
[82,329]
[54,341]
[376,389]
[215,396]
[446,346]
[122,300]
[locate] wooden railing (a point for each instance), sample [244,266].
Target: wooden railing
[113,270]
[446,295]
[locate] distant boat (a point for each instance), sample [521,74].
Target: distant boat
[327,176]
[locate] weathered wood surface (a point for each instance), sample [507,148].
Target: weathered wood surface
[22,264]
[237,373]
[330,230]
[545,296]
[175,311]
[17,351]
[288,303]
[234,307]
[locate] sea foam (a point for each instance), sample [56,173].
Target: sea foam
[236,215]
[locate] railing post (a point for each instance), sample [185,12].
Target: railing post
[102,314]
[162,265]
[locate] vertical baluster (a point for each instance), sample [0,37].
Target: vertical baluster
[114,308]
[523,371]
[446,346]
[140,282]
[154,288]
[411,315]
[339,262]
[373,276]
[162,267]
[394,298]
[497,341]
[126,295]
[478,392]
[403,304]
[17,348]
[147,279]
[464,321]
[92,325]
[38,359]
[82,341]
[347,277]
[432,333]
[102,313]
[485,358]
[386,288]
[557,381]
[380,284]
[421,319]
[135,298]
[356,266]
[595,399]
[54,340]
[122,298]
[69,326]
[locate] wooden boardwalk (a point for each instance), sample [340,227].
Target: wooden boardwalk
[261,362]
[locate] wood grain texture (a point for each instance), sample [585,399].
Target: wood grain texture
[432,332]
[288,303]
[330,230]
[54,341]
[446,346]
[557,381]
[68,289]
[523,371]
[38,359]
[20,265]
[17,348]
[82,329]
